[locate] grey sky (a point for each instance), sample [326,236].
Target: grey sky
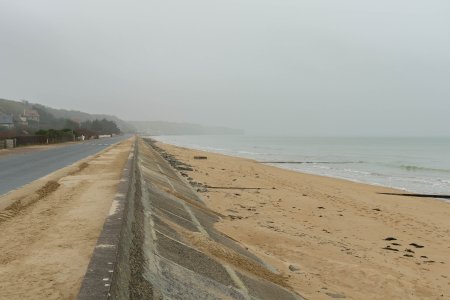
[277,67]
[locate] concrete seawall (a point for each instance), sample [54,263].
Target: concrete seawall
[109,272]
[159,242]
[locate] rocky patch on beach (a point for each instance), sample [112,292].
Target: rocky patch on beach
[181,167]
[175,163]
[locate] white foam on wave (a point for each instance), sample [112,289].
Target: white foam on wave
[383,169]
[249,153]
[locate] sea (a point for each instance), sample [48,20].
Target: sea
[412,164]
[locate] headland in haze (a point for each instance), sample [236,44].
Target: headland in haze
[179,128]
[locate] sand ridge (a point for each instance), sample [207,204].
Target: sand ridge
[331,238]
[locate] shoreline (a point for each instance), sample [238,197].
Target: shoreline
[399,190]
[329,236]
[246,155]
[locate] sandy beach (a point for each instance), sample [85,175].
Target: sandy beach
[331,238]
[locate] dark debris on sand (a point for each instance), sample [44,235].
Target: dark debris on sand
[180,166]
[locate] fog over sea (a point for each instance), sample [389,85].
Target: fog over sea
[420,165]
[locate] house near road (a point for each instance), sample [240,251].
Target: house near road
[6,121]
[31,115]
[21,120]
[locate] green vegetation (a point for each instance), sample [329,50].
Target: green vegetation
[51,118]
[48,121]
[88,128]
[83,117]
[101,126]
[52,133]
[38,124]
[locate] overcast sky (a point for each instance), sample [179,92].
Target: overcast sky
[310,67]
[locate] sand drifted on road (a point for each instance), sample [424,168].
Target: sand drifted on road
[49,228]
[331,238]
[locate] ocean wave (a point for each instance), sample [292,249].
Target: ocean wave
[358,172]
[249,152]
[322,167]
[412,168]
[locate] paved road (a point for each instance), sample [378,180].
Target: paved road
[20,169]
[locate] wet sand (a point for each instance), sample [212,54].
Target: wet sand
[332,238]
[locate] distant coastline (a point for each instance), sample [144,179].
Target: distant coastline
[178,128]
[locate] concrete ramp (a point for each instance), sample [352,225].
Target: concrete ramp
[169,249]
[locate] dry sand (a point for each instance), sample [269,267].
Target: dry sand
[49,228]
[329,235]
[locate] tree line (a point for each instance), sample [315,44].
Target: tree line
[48,121]
[102,126]
[88,128]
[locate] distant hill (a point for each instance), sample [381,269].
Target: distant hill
[12,107]
[79,116]
[17,108]
[173,128]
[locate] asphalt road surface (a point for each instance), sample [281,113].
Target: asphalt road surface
[19,169]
